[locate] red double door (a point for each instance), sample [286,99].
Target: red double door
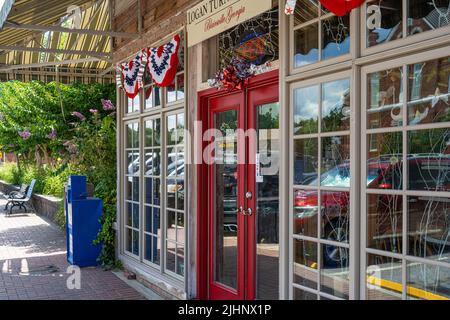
[244,129]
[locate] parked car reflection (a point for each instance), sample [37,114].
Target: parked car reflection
[428,217]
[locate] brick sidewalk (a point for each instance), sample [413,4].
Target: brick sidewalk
[33,265]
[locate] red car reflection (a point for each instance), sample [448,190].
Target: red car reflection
[428,224]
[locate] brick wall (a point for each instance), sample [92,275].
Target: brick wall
[160,18]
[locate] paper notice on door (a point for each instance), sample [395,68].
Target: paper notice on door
[259,177]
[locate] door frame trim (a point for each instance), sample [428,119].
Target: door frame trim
[202,177]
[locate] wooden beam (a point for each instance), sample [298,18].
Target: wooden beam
[13,25]
[8,68]
[97,54]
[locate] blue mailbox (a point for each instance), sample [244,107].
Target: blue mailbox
[82,223]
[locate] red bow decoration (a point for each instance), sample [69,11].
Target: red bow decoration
[341,7]
[230,80]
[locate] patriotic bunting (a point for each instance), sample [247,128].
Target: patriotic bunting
[290,7]
[338,7]
[163,62]
[131,75]
[341,7]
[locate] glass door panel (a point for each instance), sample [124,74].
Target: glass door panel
[225,199]
[267,201]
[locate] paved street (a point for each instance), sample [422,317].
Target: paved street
[33,265]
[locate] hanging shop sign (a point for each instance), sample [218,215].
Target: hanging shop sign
[211,17]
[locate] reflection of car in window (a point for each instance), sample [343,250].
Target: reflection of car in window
[426,172]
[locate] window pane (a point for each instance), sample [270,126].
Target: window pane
[136,216]
[306,162]
[385,99]
[306,110]
[334,274]
[171,129]
[424,15]
[149,129]
[305,212]
[171,93]
[384,164]
[149,98]
[383,21]
[335,162]
[148,219]
[157,133]
[135,243]
[180,87]
[156,222]
[427,282]
[384,278]
[305,263]
[148,190]
[128,240]
[429,160]
[129,214]
[180,128]
[171,193]
[157,192]
[148,247]
[304,295]
[429,92]
[133,104]
[170,256]
[336,106]
[135,189]
[180,260]
[335,37]
[305,11]
[429,228]
[171,226]
[335,216]
[306,45]
[384,222]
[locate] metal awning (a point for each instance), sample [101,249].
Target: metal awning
[73,33]
[5,8]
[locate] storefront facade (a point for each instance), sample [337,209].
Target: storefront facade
[304,194]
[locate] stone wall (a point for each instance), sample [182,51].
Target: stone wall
[46,206]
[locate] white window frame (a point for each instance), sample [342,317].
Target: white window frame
[403,62]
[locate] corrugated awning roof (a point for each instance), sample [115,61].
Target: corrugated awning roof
[24,35]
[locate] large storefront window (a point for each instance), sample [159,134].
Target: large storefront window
[154,212]
[386,20]
[407,174]
[318,34]
[321,158]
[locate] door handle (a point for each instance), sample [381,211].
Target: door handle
[244,212]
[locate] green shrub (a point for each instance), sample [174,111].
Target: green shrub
[11,174]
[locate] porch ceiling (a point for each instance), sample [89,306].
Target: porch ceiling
[24,42]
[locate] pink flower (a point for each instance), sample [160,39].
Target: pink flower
[25,135]
[79,115]
[52,135]
[93,111]
[107,105]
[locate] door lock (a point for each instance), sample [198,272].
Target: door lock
[244,212]
[248,195]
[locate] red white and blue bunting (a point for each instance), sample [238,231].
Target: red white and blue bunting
[338,7]
[131,74]
[162,64]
